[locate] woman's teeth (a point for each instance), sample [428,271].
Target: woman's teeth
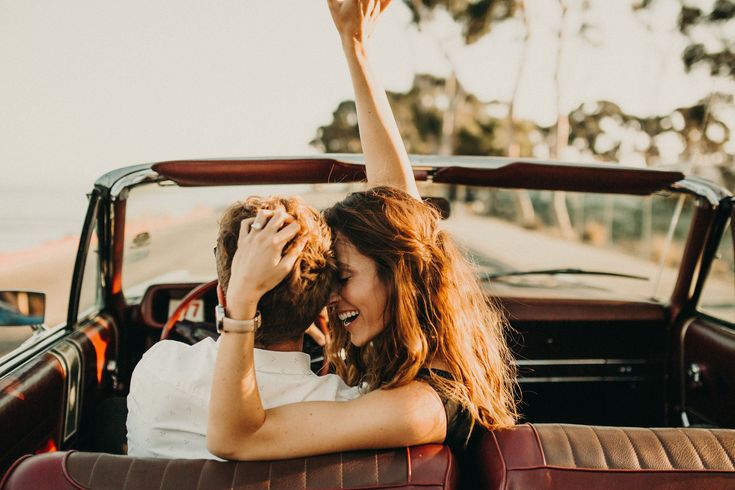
[347,317]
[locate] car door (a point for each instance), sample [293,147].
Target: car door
[707,336]
[50,385]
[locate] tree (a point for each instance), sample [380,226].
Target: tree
[605,131]
[420,113]
[719,56]
[476,17]
[710,45]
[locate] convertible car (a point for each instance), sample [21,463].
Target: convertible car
[619,284]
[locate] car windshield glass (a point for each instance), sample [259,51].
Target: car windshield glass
[170,232]
[583,244]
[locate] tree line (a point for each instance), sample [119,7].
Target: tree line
[439,116]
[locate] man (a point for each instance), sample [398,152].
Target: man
[170,387]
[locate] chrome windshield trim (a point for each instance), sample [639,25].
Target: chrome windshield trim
[133,179]
[713,193]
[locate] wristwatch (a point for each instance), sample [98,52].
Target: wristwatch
[225,324]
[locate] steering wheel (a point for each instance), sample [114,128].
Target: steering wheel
[178,314]
[315,351]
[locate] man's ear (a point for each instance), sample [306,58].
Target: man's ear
[221,296]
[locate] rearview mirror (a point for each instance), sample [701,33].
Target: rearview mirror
[19,308]
[441,204]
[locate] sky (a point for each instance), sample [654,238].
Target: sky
[91,85]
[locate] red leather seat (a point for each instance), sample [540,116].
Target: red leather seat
[558,456]
[430,467]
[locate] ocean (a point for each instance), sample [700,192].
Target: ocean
[30,217]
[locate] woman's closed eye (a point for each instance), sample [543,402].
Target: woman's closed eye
[343,279]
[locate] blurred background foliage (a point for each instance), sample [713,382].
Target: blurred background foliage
[438,116]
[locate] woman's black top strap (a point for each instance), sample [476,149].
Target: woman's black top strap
[459,422]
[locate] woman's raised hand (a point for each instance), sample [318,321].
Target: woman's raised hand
[259,263]
[356,19]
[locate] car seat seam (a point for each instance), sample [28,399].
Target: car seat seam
[663,447]
[127,474]
[163,478]
[632,444]
[64,470]
[723,448]
[699,457]
[306,473]
[377,468]
[234,475]
[602,448]
[94,467]
[538,441]
[201,472]
[341,472]
[569,442]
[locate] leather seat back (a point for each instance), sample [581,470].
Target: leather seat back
[551,456]
[423,467]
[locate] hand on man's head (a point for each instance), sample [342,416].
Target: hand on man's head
[260,263]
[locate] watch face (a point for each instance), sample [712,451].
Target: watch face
[219,317]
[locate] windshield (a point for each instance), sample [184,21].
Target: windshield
[619,235]
[170,233]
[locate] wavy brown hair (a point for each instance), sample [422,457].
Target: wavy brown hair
[436,308]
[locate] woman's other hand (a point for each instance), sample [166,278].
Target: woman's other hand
[356,19]
[260,263]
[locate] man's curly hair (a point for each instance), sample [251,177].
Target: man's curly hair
[289,308]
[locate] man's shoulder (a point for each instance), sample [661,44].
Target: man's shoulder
[174,366]
[341,390]
[171,355]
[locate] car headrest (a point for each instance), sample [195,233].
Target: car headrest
[551,456]
[429,466]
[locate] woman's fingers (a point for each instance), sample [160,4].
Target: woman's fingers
[245,226]
[286,234]
[261,219]
[278,218]
[316,334]
[289,259]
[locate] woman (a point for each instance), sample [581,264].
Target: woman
[412,326]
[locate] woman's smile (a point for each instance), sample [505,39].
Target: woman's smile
[347,317]
[362,295]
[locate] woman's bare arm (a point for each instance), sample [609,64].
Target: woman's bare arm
[405,416]
[386,160]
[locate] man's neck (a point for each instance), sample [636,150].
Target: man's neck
[296,345]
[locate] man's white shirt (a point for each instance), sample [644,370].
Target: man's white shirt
[168,402]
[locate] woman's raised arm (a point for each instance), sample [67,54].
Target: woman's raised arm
[386,160]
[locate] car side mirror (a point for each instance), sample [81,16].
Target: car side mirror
[22,308]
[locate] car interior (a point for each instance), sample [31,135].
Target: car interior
[614,390]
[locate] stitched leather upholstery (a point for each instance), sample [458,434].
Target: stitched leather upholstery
[425,467]
[635,448]
[556,456]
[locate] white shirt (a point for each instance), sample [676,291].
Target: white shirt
[168,402]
